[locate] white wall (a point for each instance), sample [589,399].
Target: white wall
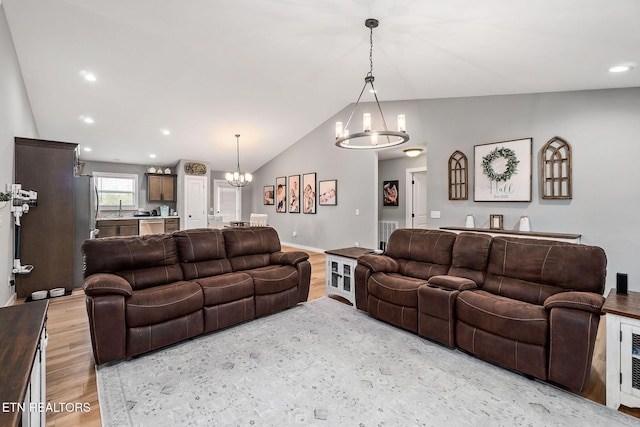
[16,119]
[603,127]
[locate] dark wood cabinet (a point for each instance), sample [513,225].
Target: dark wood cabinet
[161,188]
[47,241]
[171,225]
[117,227]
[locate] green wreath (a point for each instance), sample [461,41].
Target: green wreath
[512,164]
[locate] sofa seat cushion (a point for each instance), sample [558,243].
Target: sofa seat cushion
[162,303]
[505,317]
[273,279]
[395,288]
[226,288]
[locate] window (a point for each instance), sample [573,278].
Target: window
[116,190]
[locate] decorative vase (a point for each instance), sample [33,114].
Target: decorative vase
[524,223]
[470,222]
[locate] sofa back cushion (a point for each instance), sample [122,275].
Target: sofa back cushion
[143,261]
[532,270]
[202,253]
[470,256]
[250,247]
[421,253]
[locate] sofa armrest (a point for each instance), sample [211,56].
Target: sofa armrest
[453,282]
[379,263]
[288,258]
[585,301]
[106,284]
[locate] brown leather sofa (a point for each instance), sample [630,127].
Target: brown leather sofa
[529,305]
[147,292]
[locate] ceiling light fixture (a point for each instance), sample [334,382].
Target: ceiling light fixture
[166,132]
[413,152]
[90,77]
[368,138]
[87,149]
[237,178]
[620,68]
[153,156]
[88,120]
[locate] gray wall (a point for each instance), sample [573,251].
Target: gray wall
[396,169]
[16,119]
[603,127]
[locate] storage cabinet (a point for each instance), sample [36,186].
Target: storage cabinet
[340,273]
[171,225]
[118,227]
[623,349]
[161,187]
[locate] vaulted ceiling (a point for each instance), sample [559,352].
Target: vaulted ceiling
[273,70]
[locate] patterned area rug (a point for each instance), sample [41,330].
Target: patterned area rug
[324,363]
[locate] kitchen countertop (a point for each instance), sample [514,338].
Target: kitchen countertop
[137,217]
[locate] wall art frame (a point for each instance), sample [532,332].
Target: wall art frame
[390,192]
[281,194]
[309,193]
[458,176]
[496,222]
[502,171]
[328,192]
[294,194]
[268,195]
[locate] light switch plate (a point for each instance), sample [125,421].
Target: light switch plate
[435,214]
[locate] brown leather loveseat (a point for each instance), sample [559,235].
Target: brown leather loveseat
[530,305]
[147,292]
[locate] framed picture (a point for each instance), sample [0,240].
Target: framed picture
[328,192]
[390,191]
[495,222]
[502,171]
[268,192]
[281,194]
[294,194]
[309,193]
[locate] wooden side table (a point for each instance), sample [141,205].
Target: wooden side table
[623,349]
[341,265]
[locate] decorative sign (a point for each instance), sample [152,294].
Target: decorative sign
[195,168]
[502,171]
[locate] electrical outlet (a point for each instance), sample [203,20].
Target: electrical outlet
[11,282]
[295,233]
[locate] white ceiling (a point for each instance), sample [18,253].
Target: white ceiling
[273,70]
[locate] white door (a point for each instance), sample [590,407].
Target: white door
[416,198]
[195,201]
[227,200]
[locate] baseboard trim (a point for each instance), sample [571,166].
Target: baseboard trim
[11,300]
[306,248]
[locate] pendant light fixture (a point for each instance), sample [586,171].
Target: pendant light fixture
[237,178]
[370,139]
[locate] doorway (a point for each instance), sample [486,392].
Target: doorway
[227,200]
[416,197]
[195,202]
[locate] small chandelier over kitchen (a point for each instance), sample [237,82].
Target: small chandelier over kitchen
[370,139]
[237,178]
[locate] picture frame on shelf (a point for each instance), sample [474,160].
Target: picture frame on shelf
[502,171]
[281,194]
[309,193]
[268,195]
[496,222]
[294,194]
[328,192]
[390,192]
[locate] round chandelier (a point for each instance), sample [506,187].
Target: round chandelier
[370,139]
[237,178]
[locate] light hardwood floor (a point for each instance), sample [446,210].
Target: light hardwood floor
[71,371]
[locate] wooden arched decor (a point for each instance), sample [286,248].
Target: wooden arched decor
[458,176]
[556,169]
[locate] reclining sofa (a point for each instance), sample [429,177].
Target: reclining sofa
[530,305]
[147,292]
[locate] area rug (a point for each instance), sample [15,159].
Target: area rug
[324,363]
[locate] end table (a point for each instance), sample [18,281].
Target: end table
[341,265]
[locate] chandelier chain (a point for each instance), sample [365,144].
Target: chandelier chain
[371,52]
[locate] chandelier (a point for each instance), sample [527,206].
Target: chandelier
[237,178]
[370,139]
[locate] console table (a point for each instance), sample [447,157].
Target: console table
[623,349]
[341,265]
[23,339]
[562,237]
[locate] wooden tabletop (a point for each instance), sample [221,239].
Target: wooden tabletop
[627,305]
[516,232]
[353,252]
[19,338]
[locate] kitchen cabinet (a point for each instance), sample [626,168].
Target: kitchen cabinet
[171,225]
[161,187]
[117,227]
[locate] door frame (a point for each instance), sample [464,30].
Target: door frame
[409,194]
[185,220]
[216,185]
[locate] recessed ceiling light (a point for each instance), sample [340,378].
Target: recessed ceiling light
[87,149]
[153,156]
[88,120]
[620,68]
[88,76]
[166,132]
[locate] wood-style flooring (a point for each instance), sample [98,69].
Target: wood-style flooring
[71,370]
